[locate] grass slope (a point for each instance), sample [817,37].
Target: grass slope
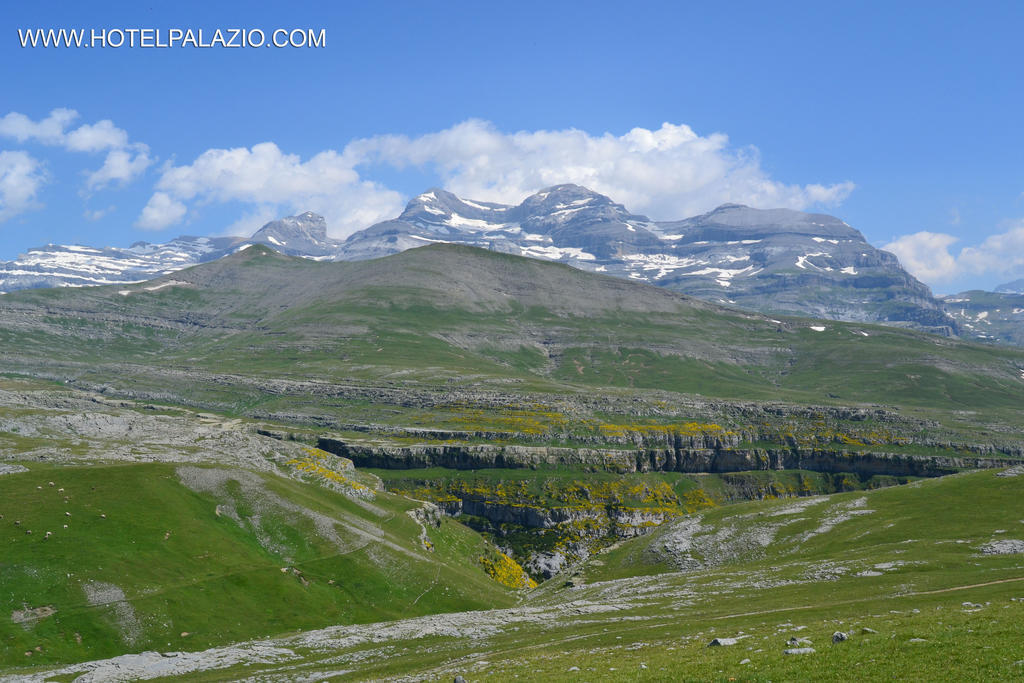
[171,567]
[911,588]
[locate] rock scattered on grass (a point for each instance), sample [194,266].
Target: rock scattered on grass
[868,629]
[839,637]
[799,651]
[1008,546]
[28,616]
[725,641]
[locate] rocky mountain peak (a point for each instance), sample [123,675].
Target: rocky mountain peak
[741,219]
[559,197]
[303,234]
[305,226]
[438,206]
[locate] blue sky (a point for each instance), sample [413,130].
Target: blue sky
[904,122]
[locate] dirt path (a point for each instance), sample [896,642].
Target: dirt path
[869,599]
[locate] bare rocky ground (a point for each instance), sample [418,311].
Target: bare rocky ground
[336,649]
[73,427]
[110,595]
[64,426]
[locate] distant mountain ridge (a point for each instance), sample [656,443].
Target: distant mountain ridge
[79,266]
[991,316]
[775,260]
[1015,287]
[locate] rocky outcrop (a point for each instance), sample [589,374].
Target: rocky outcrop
[693,460]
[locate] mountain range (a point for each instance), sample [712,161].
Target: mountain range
[777,261]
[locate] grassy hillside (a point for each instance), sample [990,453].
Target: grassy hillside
[919,595]
[119,558]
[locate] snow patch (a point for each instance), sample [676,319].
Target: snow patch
[818,328]
[801,261]
[468,202]
[557,253]
[169,283]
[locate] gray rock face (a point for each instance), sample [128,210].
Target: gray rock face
[546,564]
[302,235]
[680,458]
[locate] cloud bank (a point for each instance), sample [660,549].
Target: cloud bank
[666,173]
[265,176]
[928,257]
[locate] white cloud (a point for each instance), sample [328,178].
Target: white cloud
[161,212]
[927,255]
[21,176]
[121,166]
[93,216]
[124,161]
[265,176]
[1000,253]
[49,131]
[96,137]
[668,173]
[251,221]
